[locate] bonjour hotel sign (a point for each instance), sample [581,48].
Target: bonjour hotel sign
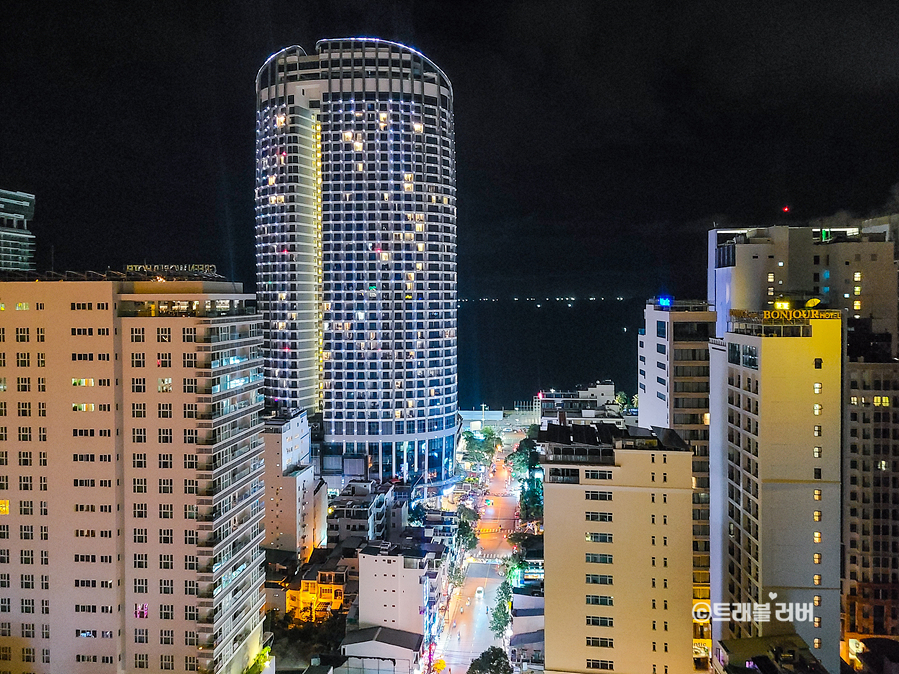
[785,314]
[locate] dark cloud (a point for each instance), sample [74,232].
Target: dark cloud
[591,136]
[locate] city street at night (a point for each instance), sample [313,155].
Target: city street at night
[471,634]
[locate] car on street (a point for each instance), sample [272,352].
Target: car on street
[479,593]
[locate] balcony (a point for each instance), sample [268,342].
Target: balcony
[220,366]
[224,489]
[229,460]
[235,338]
[221,417]
[220,436]
[228,511]
[604,456]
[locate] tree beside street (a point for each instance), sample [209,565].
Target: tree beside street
[492,661]
[500,620]
[467,514]
[466,538]
[478,450]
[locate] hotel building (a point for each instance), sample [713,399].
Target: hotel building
[673,369]
[751,269]
[16,241]
[131,495]
[871,503]
[356,253]
[617,583]
[775,473]
[853,269]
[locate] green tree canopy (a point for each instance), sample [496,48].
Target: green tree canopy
[417,513]
[466,538]
[519,460]
[492,661]
[504,593]
[466,514]
[500,619]
[478,450]
[523,539]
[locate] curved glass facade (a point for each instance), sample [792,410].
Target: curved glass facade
[376,221]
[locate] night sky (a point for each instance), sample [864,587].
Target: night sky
[595,141]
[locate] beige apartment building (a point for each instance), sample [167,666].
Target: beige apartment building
[131,493]
[618,581]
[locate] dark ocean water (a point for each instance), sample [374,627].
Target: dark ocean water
[509,350]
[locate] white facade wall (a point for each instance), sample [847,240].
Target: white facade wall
[145,463]
[294,504]
[856,275]
[676,395]
[392,592]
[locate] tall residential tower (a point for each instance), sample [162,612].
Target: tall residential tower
[356,252]
[131,475]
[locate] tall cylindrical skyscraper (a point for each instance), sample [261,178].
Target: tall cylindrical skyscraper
[356,253]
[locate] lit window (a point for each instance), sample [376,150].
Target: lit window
[857,305]
[817,537]
[770,291]
[816,452]
[817,410]
[770,277]
[816,516]
[857,290]
[817,643]
[857,276]
[817,387]
[816,579]
[817,431]
[816,600]
[817,494]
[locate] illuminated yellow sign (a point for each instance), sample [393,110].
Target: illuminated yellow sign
[799,314]
[785,314]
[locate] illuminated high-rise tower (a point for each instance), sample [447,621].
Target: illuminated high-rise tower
[356,252]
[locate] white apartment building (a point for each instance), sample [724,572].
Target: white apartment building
[356,253]
[775,473]
[673,380]
[363,509]
[591,405]
[130,475]
[751,269]
[296,499]
[617,582]
[400,586]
